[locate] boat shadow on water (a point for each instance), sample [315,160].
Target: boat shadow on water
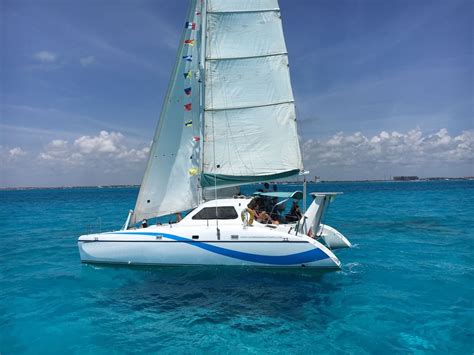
[220,294]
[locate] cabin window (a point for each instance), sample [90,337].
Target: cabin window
[225,212]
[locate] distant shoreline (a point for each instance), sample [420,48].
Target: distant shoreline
[469,178]
[68,187]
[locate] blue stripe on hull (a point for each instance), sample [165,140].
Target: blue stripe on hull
[298,258]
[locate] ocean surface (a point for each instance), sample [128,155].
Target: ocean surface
[406,287]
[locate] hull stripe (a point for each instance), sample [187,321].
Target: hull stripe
[291,259]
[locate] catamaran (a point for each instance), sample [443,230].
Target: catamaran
[228,120]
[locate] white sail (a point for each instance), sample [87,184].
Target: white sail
[250,124]
[241,5]
[171,177]
[238,125]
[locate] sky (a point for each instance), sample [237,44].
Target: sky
[382,88]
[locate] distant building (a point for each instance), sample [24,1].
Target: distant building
[405,178]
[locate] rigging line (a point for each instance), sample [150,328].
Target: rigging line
[243,11]
[208,45]
[249,56]
[294,105]
[202,77]
[249,106]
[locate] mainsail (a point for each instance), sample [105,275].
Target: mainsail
[229,115]
[250,130]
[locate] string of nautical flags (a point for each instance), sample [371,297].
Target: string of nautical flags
[189,74]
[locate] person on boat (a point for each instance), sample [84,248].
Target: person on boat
[179,217]
[144,223]
[264,218]
[257,205]
[266,187]
[267,201]
[295,213]
[254,205]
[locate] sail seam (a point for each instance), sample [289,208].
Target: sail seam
[249,56]
[249,106]
[241,11]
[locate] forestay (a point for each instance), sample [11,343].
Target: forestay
[250,123]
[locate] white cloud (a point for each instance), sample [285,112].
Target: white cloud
[107,149]
[16,152]
[87,61]
[110,157]
[351,156]
[10,156]
[105,142]
[57,150]
[45,57]
[394,152]
[134,155]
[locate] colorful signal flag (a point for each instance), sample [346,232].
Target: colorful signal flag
[188,123]
[189,42]
[187,91]
[188,75]
[189,58]
[188,107]
[190,25]
[193,171]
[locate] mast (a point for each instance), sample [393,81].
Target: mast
[202,70]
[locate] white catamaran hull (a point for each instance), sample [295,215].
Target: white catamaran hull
[228,120]
[333,238]
[176,246]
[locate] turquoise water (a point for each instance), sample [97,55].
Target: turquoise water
[406,287]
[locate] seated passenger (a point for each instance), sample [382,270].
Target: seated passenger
[253,204]
[267,203]
[266,187]
[295,213]
[276,218]
[144,223]
[264,218]
[261,216]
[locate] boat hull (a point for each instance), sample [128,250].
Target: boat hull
[333,238]
[158,248]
